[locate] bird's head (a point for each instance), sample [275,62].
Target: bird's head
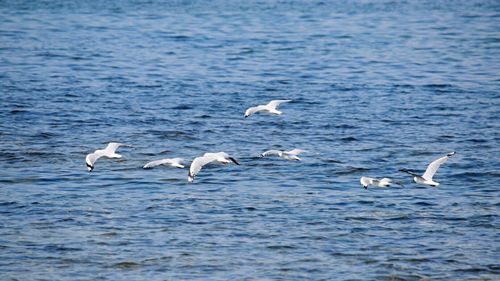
[190,176]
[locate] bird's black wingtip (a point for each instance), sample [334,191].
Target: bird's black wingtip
[234,160]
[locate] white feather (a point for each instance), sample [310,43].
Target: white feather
[109,152]
[174,162]
[271,107]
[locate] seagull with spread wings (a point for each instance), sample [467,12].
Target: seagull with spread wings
[271,107]
[426,178]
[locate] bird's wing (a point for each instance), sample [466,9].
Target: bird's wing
[254,109]
[409,172]
[157,163]
[365,181]
[385,181]
[92,157]
[199,162]
[233,160]
[270,153]
[226,156]
[112,147]
[176,160]
[223,155]
[173,161]
[274,103]
[294,152]
[434,166]
[216,154]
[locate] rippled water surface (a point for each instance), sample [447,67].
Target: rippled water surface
[376,86]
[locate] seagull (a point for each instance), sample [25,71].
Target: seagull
[174,162]
[109,152]
[426,178]
[288,155]
[384,182]
[201,161]
[270,108]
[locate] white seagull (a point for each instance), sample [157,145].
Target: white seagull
[384,182]
[288,155]
[270,108]
[109,152]
[426,178]
[174,162]
[201,161]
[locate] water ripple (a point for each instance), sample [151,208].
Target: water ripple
[376,86]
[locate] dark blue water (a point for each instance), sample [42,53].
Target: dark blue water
[376,86]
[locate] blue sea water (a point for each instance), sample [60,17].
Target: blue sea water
[376,86]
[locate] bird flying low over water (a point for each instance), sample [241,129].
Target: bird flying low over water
[288,155]
[201,161]
[384,182]
[174,162]
[108,152]
[426,178]
[269,108]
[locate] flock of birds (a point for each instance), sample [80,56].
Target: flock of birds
[221,157]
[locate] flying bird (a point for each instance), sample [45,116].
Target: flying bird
[270,108]
[384,182]
[201,161]
[174,162]
[109,152]
[288,155]
[426,178]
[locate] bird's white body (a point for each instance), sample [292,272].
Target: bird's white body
[109,152]
[421,180]
[288,155]
[366,181]
[426,178]
[271,108]
[201,161]
[174,162]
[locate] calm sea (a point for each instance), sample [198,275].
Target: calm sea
[376,86]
